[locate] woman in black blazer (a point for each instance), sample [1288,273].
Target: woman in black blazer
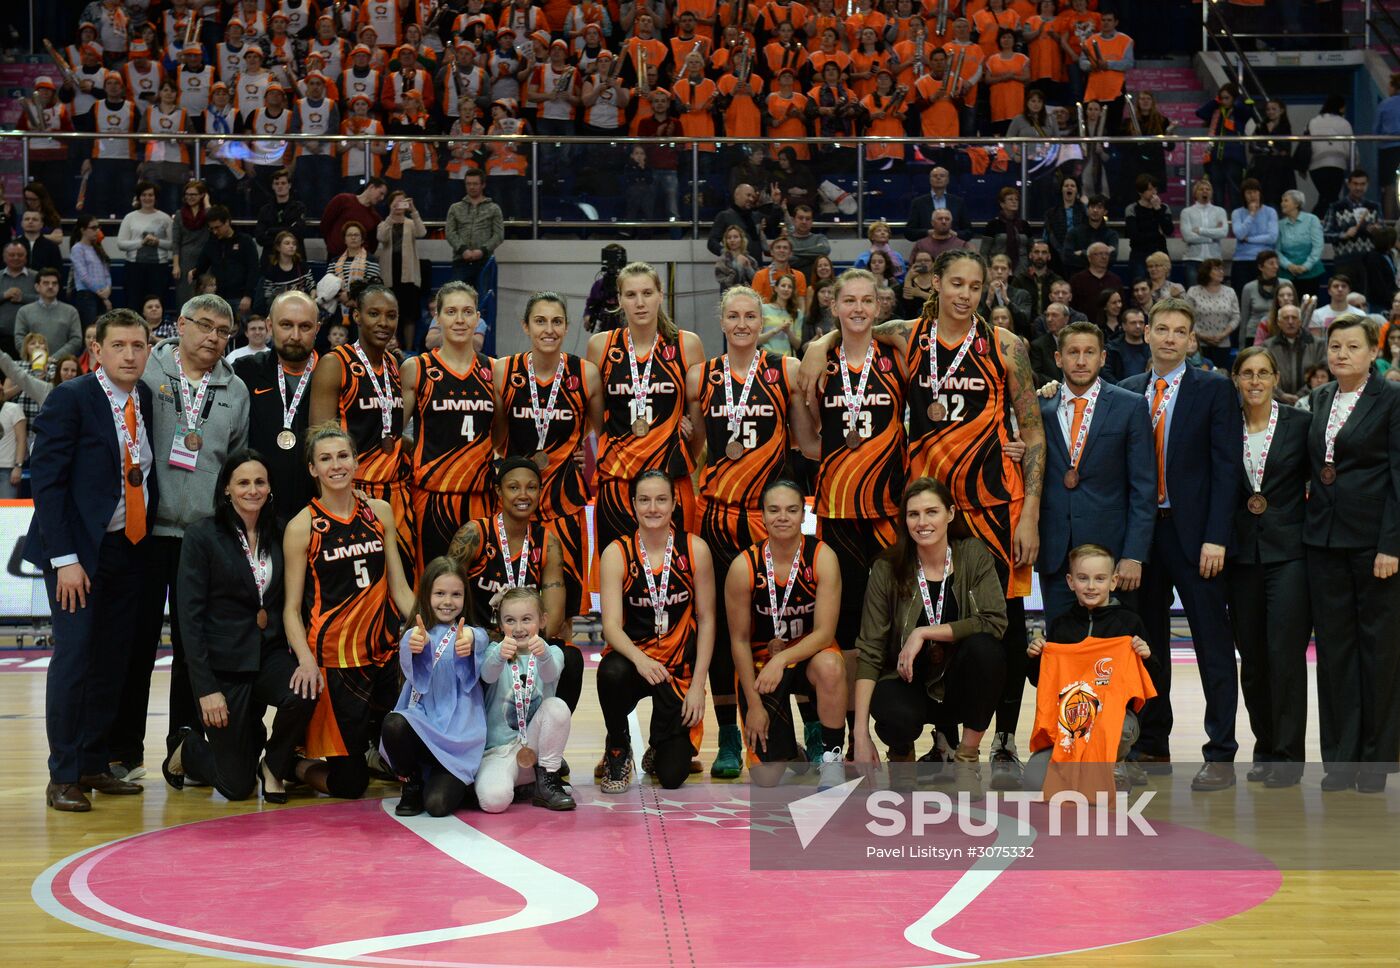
[1268,572]
[1353,539]
[229,601]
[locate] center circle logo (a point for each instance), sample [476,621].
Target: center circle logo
[653,878]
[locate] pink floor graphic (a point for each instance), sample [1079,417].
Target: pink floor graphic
[646,879]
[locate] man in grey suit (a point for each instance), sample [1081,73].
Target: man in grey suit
[1099,470]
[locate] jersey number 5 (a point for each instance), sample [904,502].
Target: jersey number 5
[361,573]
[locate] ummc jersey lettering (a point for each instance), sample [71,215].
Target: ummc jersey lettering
[966,450]
[487,574]
[360,416]
[562,488]
[674,647]
[801,610]
[866,482]
[763,431]
[621,454]
[346,601]
[453,413]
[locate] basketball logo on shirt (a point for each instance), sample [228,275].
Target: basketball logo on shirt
[1079,710]
[1103,671]
[434,374]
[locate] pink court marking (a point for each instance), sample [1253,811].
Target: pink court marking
[615,883]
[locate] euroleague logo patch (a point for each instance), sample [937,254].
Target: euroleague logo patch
[524,888]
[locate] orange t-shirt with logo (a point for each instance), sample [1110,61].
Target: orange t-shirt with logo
[1085,688]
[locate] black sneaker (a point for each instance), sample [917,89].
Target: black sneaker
[1006,767]
[617,771]
[550,792]
[410,799]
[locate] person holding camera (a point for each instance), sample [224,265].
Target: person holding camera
[397,237]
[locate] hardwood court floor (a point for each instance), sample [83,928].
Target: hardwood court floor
[1316,918]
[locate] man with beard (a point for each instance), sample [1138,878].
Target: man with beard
[1037,277]
[277,413]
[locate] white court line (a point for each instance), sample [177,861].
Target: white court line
[37,663]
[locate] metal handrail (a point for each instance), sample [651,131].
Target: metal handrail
[1242,64]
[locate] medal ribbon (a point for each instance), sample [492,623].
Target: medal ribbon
[261,565]
[1256,467]
[1167,396]
[192,409]
[934,380]
[505,553]
[732,414]
[523,694]
[542,419]
[443,646]
[641,383]
[776,612]
[1066,400]
[1337,418]
[289,410]
[132,445]
[657,592]
[854,402]
[935,612]
[381,391]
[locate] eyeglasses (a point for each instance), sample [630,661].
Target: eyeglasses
[209,329]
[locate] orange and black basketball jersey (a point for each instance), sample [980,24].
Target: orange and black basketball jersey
[621,454]
[763,431]
[360,416]
[866,482]
[965,451]
[346,604]
[562,488]
[674,647]
[452,415]
[487,574]
[801,610]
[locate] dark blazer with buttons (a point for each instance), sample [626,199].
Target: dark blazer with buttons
[1361,509]
[921,216]
[218,604]
[1204,455]
[76,472]
[1277,534]
[1114,503]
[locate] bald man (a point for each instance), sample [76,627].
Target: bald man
[1086,284]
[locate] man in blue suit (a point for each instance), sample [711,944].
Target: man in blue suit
[1199,449]
[1099,486]
[921,209]
[93,497]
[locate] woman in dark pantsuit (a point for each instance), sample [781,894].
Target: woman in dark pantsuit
[1352,535]
[230,606]
[1268,572]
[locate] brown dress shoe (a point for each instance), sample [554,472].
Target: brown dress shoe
[108,784]
[67,797]
[1214,776]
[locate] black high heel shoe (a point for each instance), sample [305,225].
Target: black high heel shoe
[269,796]
[176,780]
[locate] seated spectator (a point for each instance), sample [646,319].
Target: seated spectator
[1338,289]
[1203,225]
[1062,218]
[1036,277]
[1257,297]
[354,264]
[806,244]
[999,292]
[1129,354]
[795,180]
[231,257]
[258,333]
[162,325]
[1108,314]
[1299,241]
[744,214]
[940,237]
[751,170]
[918,286]
[16,290]
[1089,282]
[38,199]
[1217,312]
[782,319]
[1094,228]
[41,251]
[765,280]
[1007,233]
[823,270]
[56,321]
[880,266]
[1390,352]
[1295,351]
[819,318]
[1286,294]
[1148,224]
[282,214]
[1159,269]
[921,211]
[1044,346]
[146,239]
[1255,226]
[283,269]
[1359,306]
[879,238]
[1315,377]
[1060,292]
[734,267]
[1141,293]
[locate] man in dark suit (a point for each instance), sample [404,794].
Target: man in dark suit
[1198,444]
[278,416]
[922,208]
[94,498]
[1109,498]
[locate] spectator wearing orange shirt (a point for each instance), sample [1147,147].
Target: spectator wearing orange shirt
[1107,58]
[1043,48]
[787,112]
[1006,73]
[866,62]
[885,110]
[991,21]
[1073,27]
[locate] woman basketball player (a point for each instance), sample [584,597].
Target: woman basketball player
[548,401]
[658,592]
[357,386]
[784,597]
[346,593]
[448,393]
[739,405]
[643,367]
[961,406]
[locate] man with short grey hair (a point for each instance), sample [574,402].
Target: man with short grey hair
[201,417]
[1088,283]
[16,290]
[57,322]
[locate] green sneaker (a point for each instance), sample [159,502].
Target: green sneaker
[729,764]
[812,741]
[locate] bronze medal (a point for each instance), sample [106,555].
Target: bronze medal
[640,428]
[286,440]
[853,440]
[134,476]
[193,441]
[734,450]
[541,459]
[526,757]
[1328,474]
[262,618]
[386,444]
[1257,504]
[1072,478]
[776,646]
[937,412]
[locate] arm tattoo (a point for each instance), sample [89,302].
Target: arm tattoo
[465,543]
[897,328]
[1027,406]
[552,584]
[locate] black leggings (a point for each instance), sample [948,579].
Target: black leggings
[971,690]
[442,792]
[620,688]
[570,685]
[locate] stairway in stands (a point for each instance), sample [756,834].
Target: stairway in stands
[1179,93]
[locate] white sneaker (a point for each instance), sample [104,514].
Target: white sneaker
[832,772]
[123,772]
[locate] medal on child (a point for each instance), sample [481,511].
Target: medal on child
[523,693]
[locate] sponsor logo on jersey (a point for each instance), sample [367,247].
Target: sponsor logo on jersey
[357,550]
